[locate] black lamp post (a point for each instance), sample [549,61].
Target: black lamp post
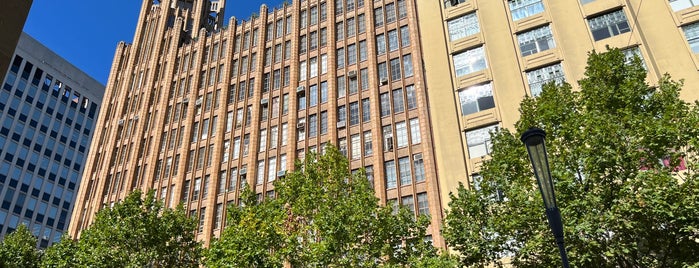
[534,139]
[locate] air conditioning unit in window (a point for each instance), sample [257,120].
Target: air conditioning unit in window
[185,100]
[281,173]
[264,102]
[417,157]
[135,117]
[300,125]
[341,124]
[243,171]
[300,89]
[384,81]
[120,122]
[388,143]
[352,74]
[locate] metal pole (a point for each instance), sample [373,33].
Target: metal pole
[554,217]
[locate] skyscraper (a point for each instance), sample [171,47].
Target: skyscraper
[407,89]
[195,110]
[48,111]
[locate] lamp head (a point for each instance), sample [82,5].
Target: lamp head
[534,140]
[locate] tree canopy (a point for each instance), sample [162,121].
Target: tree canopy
[623,155]
[136,232]
[322,216]
[18,249]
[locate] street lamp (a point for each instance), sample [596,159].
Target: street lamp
[534,140]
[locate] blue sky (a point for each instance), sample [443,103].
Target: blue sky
[86,32]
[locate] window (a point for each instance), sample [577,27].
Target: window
[398,101]
[351,54]
[312,125]
[463,26]
[263,140]
[451,3]
[390,170]
[356,146]
[524,8]
[340,30]
[362,50]
[260,172]
[415,131]
[407,65]
[380,44]
[368,150]
[423,206]
[340,57]
[537,78]
[408,202]
[412,97]
[691,32]
[536,40]
[608,25]
[476,98]
[390,13]
[631,53]
[378,17]
[385,104]
[401,134]
[392,40]
[406,178]
[470,61]
[419,166]
[366,110]
[395,69]
[354,113]
[272,169]
[478,141]
[678,5]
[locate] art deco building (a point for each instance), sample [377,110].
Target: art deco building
[194,110]
[408,89]
[48,111]
[482,57]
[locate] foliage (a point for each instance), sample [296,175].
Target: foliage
[621,207]
[136,232]
[322,216]
[61,254]
[18,249]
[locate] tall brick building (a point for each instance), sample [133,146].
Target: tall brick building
[194,110]
[408,89]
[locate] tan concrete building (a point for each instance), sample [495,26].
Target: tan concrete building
[194,110]
[13,14]
[482,57]
[408,89]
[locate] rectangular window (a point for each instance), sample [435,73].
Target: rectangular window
[390,13]
[341,92]
[351,27]
[385,104]
[368,150]
[419,166]
[401,134]
[340,30]
[263,140]
[341,114]
[407,65]
[351,54]
[412,97]
[382,72]
[302,71]
[362,50]
[323,122]
[524,8]
[536,40]
[415,131]
[378,17]
[691,32]
[608,25]
[463,26]
[678,5]
[354,113]
[408,202]
[398,101]
[476,98]
[272,169]
[470,61]
[393,40]
[312,125]
[366,110]
[364,77]
[537,78]
[355,140]
[380,44]
[478,141]
[314,67]
[340,57]
[406,178]
[423,206]
[361,23]
[390,170]
[260,172]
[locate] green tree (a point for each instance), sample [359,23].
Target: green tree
[61,254]
[621,205]
[18,249]
[136,232]
[322,216]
